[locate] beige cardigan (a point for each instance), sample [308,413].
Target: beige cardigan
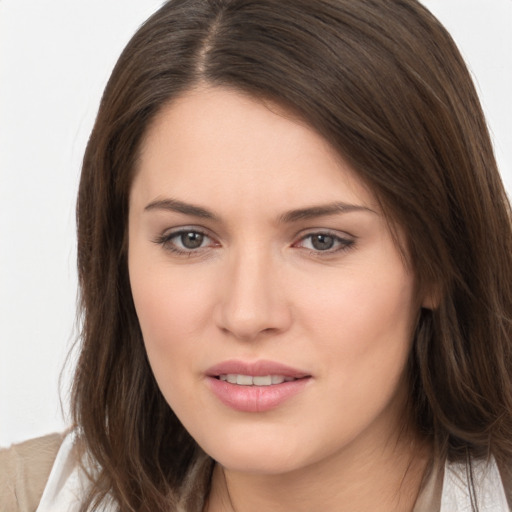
[24,471]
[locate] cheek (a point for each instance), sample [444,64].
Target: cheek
[371,298]
[170,319]
[362,329]
[171,302]
[363,325]
[171,309]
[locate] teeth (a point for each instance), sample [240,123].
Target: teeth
[249,380]
[262,381]
[244,380]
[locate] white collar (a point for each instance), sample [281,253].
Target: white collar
[490,494]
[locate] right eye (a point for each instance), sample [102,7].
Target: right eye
[185,241]
[189,239]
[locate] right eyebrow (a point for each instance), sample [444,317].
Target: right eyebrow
[174,205]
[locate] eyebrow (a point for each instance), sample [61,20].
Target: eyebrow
[174,205]
[286,218]
[321,211]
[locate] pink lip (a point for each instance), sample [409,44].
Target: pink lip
[255,398]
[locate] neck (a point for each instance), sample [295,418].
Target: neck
[386,478]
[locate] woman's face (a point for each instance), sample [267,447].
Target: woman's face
[276,310]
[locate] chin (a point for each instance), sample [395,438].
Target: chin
[258,463]
[260,454]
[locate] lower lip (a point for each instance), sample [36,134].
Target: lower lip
[255,398]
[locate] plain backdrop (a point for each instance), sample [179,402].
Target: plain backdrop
[55,58]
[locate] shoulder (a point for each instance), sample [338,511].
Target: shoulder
[24,472]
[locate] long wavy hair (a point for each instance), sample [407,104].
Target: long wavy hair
[384,83]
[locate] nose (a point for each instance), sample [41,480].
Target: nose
[252,298]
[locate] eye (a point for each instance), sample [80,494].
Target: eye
[325,242]
[185,241]
[189,239]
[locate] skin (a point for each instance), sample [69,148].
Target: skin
[257,287]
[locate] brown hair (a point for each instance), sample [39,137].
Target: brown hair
[384,83]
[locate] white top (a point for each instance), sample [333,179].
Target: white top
[67,485]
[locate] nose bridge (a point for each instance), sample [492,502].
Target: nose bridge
[252,300]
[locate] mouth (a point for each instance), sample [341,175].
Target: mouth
[255,380]
[256,387]
[255,373]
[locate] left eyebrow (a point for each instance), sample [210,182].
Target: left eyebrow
[321,211]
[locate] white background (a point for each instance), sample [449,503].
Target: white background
[55,58]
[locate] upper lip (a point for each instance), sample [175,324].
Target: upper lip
[259,368]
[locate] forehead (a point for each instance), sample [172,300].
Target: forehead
[216,142]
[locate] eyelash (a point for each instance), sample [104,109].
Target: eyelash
[166,241]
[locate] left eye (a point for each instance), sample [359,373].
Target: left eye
[324,242]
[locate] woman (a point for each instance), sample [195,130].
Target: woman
[295,264]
